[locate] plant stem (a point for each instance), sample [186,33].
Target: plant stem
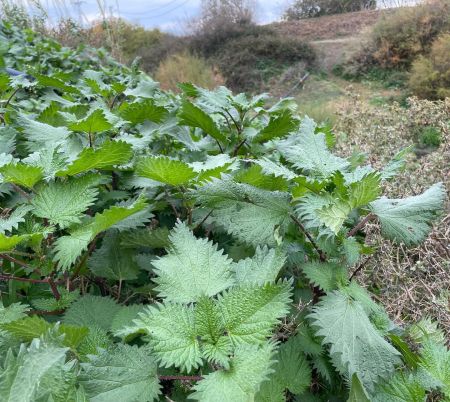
[17,278]
[322,255]
[360,225]
[15,261]
[238,146]
[85,257]
[19,190]
[54,289]
[203,220]
[10,98]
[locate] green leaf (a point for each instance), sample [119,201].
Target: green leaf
[250,312]
[250,367]
[63,203]
[354,342]
[125,316]
[7,224]
[109,155]
[192,116]
[192,268]
[434,366]
[165,170]
[251,214]
[326,275]
[69,248]
[139,112]
[92,311]
[13,312]
[172,335]
[123,373]
[263,267]
[8,243]
[153,238]
[276,169]
[409,220]
[308,151]
[365,190]
[357,391]
[396,164]
[402,387]
[112,262]
[95,122]
[334,215]
[19,173]
[25,376]
[278,126]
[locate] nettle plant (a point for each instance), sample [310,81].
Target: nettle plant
[198,246]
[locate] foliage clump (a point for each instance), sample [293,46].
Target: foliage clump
[316,8]
[201,245]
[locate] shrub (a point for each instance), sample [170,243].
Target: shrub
[316,8]
[430,137]
[249,55]
[400,36]
[430,75]
[184,67]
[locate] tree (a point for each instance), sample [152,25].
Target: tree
[316,8]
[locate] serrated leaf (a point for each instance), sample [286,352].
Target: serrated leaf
[334,215]
[172,335]
[357,391]
[402,387]
[409,220]
[308,151]
[278,126]
[123,373]
[111,262]
[165,170]
[192,116]
[153,238]
[250,367]
[263,267]
[24,376]
[125,316]
[250,312]
[326,275]
[92,311]
[63,203]
[434,366]
[354,342]
[12,221]
[365,190]
[276,169]
[396,164]
[13,312]
[192,268]
[109,155]
[139,112]
[95,122]
[8,243]
[19,173]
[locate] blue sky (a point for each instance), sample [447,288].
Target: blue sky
[167,15]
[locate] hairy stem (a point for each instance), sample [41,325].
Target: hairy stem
[361,224]
[322,255]
[180,377]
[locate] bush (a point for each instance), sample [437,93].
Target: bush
[399,37]
[316,8]
[184,67]
[430,75]
[430,137]
[249,55]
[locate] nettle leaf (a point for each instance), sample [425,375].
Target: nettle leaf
[8,243]
[291,371]
[250,312]
[192,116]
[192,268]
[402,387]
[365,190]
[276,169]
[278,126]
[263,267]
[434,366]
[396,164]
[51,304]
[122,373]
[69,248]
[125,316]
[251,214]
[173,338]
[63,203]
[308,151]
[250,367]
[25,375]
[334,215]
[357,391]
[21,174]
[139,112]
[92,311]
[111,262]
[165,170]
[12,221]
[326,275]
[109,155]
[408,220]
[95,122]
[13,312]
[354,341]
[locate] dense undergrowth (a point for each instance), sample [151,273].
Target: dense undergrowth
[204,245]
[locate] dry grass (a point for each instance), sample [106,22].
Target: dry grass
[184,67]
[411,282]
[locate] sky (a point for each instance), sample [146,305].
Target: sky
[167,15]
